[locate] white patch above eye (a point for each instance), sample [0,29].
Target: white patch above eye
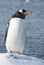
[21,11]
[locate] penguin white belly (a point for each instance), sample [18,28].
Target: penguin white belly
[16,35]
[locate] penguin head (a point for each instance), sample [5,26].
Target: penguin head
[21,14]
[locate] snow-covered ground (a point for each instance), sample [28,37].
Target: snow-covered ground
[18,59]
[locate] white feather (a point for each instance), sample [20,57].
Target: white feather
[16,35]
[21,11]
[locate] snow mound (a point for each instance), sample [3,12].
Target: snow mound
[18,59]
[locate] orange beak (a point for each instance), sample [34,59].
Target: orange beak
[27,13]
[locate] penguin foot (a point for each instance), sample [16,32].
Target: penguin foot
[11,51]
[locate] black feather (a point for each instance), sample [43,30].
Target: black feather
[6,33]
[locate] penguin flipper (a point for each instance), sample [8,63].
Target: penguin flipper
[6,33]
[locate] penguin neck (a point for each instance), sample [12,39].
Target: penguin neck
[17,20]
[22,16]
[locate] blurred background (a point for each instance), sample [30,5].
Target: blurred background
[35,24]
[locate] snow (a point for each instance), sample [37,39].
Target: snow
[19,59]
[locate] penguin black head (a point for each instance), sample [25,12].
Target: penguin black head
[21,13]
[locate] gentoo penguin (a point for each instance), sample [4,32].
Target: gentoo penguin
[16,32]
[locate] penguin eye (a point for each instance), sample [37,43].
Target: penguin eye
[24,11]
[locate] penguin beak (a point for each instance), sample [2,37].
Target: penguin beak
[27,13]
